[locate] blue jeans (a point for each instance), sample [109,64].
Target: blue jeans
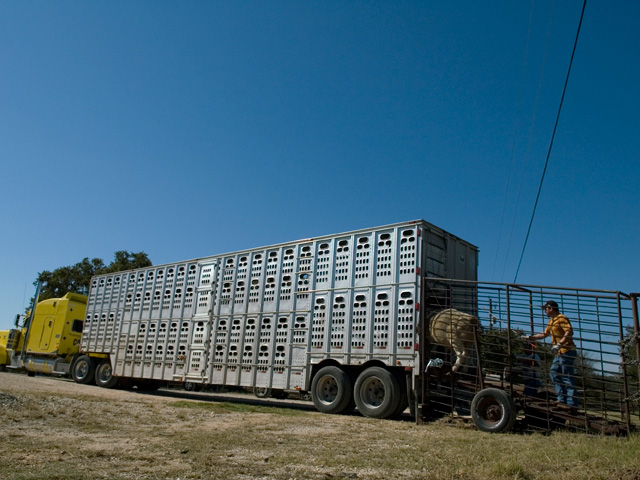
[562,376]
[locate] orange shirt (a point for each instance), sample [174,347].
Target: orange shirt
[557,327]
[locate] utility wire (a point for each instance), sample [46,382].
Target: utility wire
[555,127]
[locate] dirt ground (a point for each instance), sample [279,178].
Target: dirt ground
[57,429]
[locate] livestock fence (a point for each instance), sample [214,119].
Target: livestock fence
[607,368]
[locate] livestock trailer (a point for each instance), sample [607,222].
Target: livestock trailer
[335,316]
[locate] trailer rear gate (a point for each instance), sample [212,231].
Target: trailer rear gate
[605,332]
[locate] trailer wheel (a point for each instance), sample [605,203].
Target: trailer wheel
[493,410]
[104,375]
[404,398]
[377,393]
[332,391]
[192,387]
[83,370]
[262,392]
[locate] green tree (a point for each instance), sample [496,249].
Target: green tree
[76,278]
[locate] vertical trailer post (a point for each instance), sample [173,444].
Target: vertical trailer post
[625,387]
[422,399]
[636,330]
[509,352]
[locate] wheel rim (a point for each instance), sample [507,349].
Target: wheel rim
[262,392]
[490,410]
[327,390]
[104,372]
[82,368]
[372,392]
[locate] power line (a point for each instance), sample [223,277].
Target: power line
[555,127]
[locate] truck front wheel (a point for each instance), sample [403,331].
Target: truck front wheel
[104,375]
[83,370]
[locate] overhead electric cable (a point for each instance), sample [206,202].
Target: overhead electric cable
[555,127]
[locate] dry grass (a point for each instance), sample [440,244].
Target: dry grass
[60,430]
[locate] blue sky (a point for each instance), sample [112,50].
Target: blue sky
[187,129]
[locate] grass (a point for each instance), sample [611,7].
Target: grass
[73,436]
[227,407]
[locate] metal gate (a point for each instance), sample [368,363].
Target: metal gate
[606,370]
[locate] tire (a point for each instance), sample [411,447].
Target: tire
[262,392]
[377,393]
[332,391]
[104,375]
[83,370]
[404,399]
[493,411]
[192,387]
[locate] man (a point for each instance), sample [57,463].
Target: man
[562,370]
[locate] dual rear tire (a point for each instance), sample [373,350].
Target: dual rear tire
[83,370]
[104,375]
[377,392]
[87,370]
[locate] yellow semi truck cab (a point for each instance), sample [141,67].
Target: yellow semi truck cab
[49,339]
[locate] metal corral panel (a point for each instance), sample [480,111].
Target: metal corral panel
[261,317]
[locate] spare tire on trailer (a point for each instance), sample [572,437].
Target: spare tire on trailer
[493,410]
[83,370]
[332,390]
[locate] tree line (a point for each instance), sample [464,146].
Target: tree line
[76,278]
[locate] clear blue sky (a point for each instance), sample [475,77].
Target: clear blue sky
[187,129]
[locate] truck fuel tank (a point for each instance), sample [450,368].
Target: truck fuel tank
[49,366]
